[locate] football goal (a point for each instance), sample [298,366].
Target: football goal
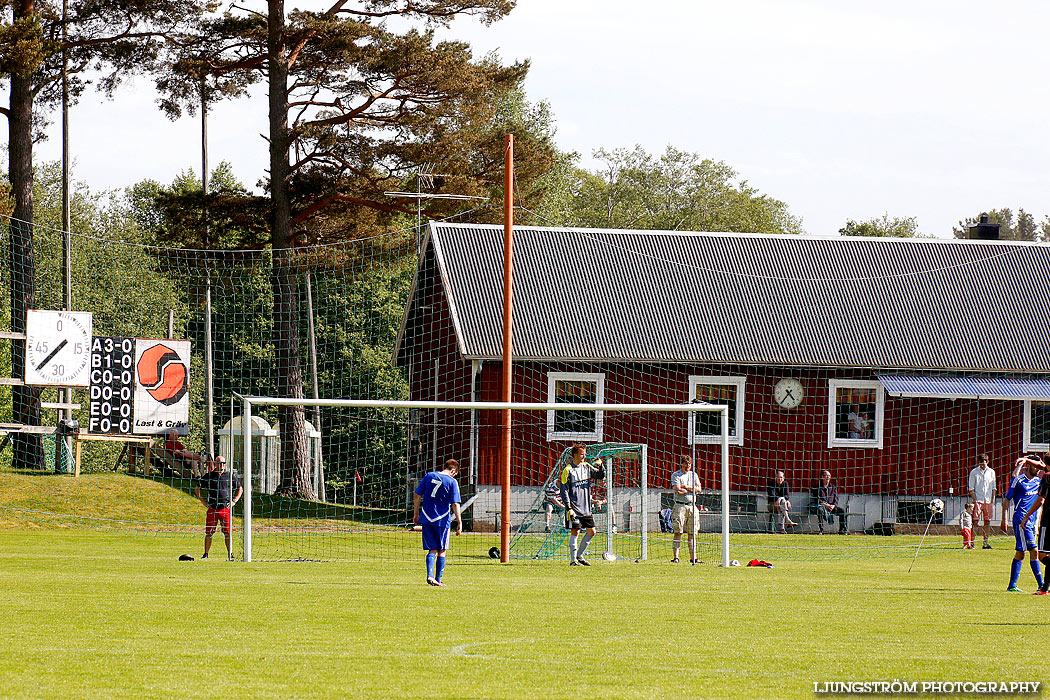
[352,495]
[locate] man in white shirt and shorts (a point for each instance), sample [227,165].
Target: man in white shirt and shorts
[685,518]
[982,494]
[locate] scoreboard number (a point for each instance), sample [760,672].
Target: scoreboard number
[112,392]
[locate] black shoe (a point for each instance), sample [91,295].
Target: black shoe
[675,560]
[986,546]
[583,562]
[694,561]
[574,562]
[204,556]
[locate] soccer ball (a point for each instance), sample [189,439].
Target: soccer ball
[936,506]
[735,562]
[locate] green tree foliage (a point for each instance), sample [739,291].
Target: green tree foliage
[543,175]
[1023,227]
[357,326]
[175,215]
[367,105]
[117,283]
[358,95]
[38,42]
[678,191]
[120,283]
[884,227]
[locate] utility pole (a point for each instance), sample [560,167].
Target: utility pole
[208,357]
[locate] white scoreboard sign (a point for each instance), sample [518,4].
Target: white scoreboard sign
[112,393]
[139,386]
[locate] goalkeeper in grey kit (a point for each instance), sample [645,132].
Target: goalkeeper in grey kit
[574,483]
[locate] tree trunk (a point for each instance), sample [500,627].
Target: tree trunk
[295,465]
[27,448]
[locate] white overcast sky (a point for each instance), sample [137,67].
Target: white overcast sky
[844,110]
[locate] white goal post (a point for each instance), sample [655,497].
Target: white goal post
[248,402]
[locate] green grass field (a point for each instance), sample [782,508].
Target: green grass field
[98,615]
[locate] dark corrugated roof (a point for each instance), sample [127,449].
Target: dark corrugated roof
[610,295]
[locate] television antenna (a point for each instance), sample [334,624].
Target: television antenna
[428,179]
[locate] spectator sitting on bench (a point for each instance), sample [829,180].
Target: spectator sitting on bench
[826,501]
[778,491]
[181,458]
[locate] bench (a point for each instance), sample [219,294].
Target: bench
[170,465]
[814,517]
[133,448]
[792,515]
[812,521]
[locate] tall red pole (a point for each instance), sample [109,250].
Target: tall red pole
[508,283]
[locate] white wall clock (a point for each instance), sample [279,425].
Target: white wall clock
[788,393]
[58,348]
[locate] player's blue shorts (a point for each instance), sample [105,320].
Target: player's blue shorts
[1024,537]
[436,536]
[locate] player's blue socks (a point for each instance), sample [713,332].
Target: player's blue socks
[431,556]
[1015,571]
[1035,570]
[440,567]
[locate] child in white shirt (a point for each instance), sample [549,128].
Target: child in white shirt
[966,525]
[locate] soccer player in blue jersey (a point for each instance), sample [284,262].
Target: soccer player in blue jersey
[1043,537]
[1024,490]
[436,500]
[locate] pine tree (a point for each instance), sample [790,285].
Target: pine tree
[112,39]
[354,106]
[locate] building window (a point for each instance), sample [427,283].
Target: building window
[578,388]
[855,413]
[705,426]
[1036,425]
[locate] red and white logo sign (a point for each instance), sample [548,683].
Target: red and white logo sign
[162,385]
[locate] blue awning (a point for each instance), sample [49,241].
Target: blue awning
[967,386]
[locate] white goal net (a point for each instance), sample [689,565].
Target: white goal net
[385,447]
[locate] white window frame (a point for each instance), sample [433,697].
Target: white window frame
[599,379]
[880,413]
[740,383]
[1030,446]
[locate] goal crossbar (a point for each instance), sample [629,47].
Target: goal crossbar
[249,401]
[484,405]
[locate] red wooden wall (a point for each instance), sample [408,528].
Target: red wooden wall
[929,445]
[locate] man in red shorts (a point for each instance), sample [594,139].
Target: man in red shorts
[222,490]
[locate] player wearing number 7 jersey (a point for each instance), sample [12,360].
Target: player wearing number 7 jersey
[436,500]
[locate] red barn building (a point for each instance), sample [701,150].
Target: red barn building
[890,362]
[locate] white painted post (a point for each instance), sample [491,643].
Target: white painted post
[724,413]
[246,432]
[645,502]
[609,506]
